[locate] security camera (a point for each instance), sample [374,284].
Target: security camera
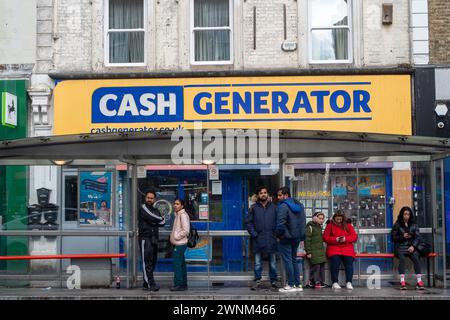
[440,125]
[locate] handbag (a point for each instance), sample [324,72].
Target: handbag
[424,248]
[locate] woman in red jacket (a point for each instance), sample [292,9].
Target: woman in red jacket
[340,237]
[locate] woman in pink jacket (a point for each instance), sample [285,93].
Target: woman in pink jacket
[179,239]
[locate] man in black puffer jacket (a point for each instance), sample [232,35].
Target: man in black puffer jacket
[150,220]
[261,222]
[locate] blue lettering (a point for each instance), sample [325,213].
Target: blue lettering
[361,100]
[279,101]
[208,105]
[320,99]
[220,102]
[245,104]
[347,101]
[301,101]
[260,101]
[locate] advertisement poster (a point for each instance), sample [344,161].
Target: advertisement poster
[371,186]
[339,186]
[95,198]
[200,252]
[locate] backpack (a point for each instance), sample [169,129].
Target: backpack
[193,237]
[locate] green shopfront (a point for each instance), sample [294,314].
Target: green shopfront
[13,182]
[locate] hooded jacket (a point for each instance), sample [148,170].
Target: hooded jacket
[291,221]
[335,248]
[261,222]
[314,244]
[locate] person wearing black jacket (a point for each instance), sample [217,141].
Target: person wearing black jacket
[261,222]
[150,220]
[406,237]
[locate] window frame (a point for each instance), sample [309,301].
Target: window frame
[107,32]
[192,30]
[350,37]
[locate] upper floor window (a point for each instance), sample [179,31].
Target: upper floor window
[211,32]
[125,32]
[330,31]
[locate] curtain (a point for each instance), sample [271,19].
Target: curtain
[126,47]
[211,45]
[340,40]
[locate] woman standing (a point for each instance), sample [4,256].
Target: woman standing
[406,237]
[340,237]
[179,239]
[315,251]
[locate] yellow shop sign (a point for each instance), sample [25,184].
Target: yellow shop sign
[372,104]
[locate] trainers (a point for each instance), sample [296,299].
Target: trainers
[274,285]
[154,288]
[402,285]
[318,285]
[420,286]
[349,286]
[298,288]
[309,285]
[256,285]
[336,286]
[287,289]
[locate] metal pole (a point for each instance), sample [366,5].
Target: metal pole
[133,223]
[208,230]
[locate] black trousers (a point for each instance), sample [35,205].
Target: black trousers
[149,256]
[317,273]
[414,258]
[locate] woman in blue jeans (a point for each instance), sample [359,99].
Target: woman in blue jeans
[340,237]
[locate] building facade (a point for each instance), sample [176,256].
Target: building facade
[309,65]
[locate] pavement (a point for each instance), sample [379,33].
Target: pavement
[225,292]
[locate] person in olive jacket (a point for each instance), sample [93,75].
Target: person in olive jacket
[261,222]
[315,250]
[406,237]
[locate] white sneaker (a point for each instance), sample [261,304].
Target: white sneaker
[298,288]
[287,289]
[349,286]
[336,286]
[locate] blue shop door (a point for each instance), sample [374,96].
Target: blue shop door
[225,214]
[227,251]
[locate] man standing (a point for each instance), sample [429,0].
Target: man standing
[261,222]
[150,220]
[290,230]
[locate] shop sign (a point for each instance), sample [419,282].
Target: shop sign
[370,103]
[9,109]
[213,172]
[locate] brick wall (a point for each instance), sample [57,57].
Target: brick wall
[439,31]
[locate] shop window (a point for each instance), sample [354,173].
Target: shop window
[125,33]
[330,31]
[211,31]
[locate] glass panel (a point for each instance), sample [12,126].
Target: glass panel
[211,13]
[328,13]
[126,14]
[331,44]
[212,45]
[439,227]
[126,47]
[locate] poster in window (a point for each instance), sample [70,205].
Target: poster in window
[201,252]
[95,198]
[339,186]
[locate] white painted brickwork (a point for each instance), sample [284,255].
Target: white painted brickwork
[80,40]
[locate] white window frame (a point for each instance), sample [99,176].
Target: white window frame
[192,37]
[350,36]
[107,31]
